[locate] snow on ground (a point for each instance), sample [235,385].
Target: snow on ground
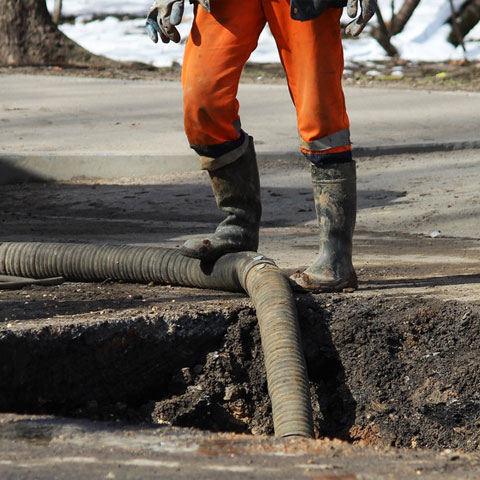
[424,37]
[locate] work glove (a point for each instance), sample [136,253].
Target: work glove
[367,11]
[162,18]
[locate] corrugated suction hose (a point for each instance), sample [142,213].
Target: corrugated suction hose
[259,276]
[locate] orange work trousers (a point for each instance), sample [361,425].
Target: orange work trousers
[217,49]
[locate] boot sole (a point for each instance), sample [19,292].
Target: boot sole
[346,286]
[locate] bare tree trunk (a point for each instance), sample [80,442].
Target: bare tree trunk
[455,27]
[29,37]
[469,17]
[385,31]
[382,35]
[400,19]
[57,12]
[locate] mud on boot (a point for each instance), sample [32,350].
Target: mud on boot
[334,191]
[236,187]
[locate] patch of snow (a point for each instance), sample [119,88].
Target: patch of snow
[75,8]
[125,40]
[423,39]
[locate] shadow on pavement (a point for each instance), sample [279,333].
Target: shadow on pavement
[10,174]
[436,281]
[141,213]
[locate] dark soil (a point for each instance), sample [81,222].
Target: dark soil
[386,372]
[383,371]
[423,75]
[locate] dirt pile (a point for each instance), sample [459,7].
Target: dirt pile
[400,373]
[388,371]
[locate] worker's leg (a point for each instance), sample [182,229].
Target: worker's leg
[217,49]
[334,192]
[312,56]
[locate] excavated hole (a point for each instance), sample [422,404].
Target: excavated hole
[401,372]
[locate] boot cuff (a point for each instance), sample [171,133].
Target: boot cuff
[335,173]
[214,163]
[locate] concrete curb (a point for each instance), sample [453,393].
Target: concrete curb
[46,166]
[416,148]
[22,167]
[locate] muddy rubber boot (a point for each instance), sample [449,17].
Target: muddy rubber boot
[335,194]
[236,187]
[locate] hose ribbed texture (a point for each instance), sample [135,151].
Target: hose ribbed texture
[95,263]
[287,376]
[270,292]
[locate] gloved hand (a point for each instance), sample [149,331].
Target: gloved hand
[368,9]
[162,18]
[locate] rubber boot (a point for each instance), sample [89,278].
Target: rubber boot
[335,194]
[236,187]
